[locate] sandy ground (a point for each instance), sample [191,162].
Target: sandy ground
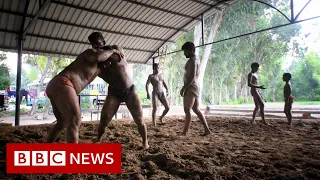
[236,149]
[175,110]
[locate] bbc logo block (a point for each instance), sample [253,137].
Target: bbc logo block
[39,158]
[63,158]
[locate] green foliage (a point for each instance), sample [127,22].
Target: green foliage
[4,71]
[4,78]
[140,76]
[305,77]
[33,74]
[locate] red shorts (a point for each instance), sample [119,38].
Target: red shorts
[55,84]
[288,105]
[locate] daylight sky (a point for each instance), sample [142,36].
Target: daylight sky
[311,27]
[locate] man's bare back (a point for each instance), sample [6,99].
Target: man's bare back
[63,89]
[81,71]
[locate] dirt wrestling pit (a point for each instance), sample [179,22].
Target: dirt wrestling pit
[236,149]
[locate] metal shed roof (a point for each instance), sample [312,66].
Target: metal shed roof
[141,27]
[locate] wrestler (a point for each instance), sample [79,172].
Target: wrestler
[288,98]
[257,98]
[121,89]
[158,83]
[191,90]
[62,90]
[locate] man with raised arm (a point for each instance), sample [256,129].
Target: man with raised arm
[63,89]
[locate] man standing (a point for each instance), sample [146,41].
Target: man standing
[191,89]
[254,90]
[158,83]
[288,98]
[63,89]
[121,89]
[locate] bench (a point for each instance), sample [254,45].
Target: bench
[99,108]
[122,109]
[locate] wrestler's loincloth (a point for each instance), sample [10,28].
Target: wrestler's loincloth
[194,89]
[56,83]
[287,105]
[121,94]
[157,94]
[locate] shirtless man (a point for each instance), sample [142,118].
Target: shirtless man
[257,98]
[288,98]
[157,82]
[62,90]
[121,89]
[191,90]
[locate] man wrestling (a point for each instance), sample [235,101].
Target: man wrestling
[62,90]
[158,83]
[121,89]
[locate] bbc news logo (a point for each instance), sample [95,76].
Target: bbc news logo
[63,158]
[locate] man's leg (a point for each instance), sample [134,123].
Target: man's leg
[256,108]
[197,111]
[134,106]
[58,127]
[188,102]
[154,108]
[261,105]
[165,103]
[109,109]
[287,111]
[68,114]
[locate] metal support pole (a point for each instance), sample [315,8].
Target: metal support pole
[202,23]
[18,83]
[292,12]
[20,39]
[297,16]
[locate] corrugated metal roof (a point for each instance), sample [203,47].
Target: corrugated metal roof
[141,27]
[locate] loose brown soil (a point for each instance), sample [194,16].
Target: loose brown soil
[236,149]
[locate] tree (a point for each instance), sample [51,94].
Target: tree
[4,73]
[213,22]
[42,63]
[306,77]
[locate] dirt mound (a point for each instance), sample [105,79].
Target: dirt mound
[236,149]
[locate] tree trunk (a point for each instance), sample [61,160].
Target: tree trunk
[43,76]
[197,37]
[220,92]
[235,92]
[177,96]
[212,91]
[170,88]
[311,95]
[227,95]
[213,30]
[274,93]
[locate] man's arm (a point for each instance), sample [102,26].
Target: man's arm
[99,56]
[166,87]
[147,86]
[118,53]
